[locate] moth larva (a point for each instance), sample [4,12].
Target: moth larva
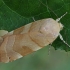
[28,38]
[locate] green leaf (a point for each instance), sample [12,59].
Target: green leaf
[27,8]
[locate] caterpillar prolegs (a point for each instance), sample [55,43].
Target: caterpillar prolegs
[28,38]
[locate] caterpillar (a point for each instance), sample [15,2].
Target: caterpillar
[29,38]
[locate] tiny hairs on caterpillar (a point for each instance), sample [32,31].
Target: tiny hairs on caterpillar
[29,38]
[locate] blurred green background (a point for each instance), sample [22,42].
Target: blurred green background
[44,59]
[16,13]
